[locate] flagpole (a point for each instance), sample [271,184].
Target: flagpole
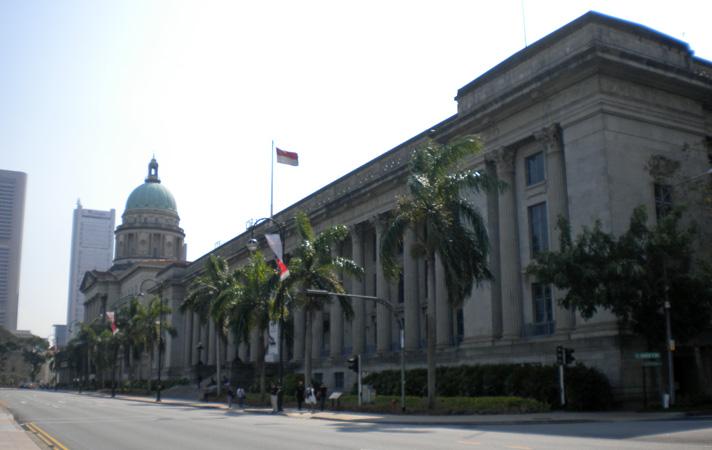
[271,188]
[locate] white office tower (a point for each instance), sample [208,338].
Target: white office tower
[12,214]
[92,249]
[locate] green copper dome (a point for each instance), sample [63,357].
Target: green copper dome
[151,194]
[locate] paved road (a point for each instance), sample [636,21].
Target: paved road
[88,422]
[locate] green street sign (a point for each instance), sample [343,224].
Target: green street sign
[647,355]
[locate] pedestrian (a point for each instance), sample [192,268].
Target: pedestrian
[322,396]
[240,393]
[310,398]
[230,394]
[299,394]
[273,392]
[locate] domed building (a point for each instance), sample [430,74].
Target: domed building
[150,224]
[149,260]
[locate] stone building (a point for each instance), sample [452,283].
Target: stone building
[576,124]
[149,249]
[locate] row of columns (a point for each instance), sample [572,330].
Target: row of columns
[501,301]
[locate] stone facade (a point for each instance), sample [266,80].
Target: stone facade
[571,124]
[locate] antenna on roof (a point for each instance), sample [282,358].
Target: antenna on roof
[524,24]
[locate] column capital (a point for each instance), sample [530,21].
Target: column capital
[549,138]
[503,158]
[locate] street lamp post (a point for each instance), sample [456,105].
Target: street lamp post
[252,246]
[160,331]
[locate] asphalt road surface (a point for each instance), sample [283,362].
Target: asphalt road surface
[93,423]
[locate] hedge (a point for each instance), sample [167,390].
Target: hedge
[586,388]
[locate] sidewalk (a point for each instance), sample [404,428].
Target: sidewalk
[413,419]
[12,436]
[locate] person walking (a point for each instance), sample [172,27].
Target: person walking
[310,398]
[322,396]
[274,391]
[230,394]
[240,393]
[299,394]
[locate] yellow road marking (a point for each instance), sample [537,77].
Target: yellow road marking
[39,435]
[46,436]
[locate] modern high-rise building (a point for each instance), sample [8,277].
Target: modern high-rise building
[60,336]
[92,249]
[12,214]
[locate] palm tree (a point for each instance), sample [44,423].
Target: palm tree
[443,223]
[254,305]
[314,266]
[211,295]
[150,320]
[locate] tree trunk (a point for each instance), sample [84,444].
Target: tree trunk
[307,348]
[430,332]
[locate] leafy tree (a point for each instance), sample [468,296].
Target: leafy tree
[314,266]
[35,354]
[632,275]
[444,223]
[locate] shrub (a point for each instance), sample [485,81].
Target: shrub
[586,388]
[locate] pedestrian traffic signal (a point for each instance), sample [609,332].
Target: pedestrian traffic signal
[353,363]
[559,355]
[569,357]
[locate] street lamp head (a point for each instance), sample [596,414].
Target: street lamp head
[252,244]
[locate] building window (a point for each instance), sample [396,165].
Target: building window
[538,228]
[535,168]
[663,200]
[541,298]
[338,380]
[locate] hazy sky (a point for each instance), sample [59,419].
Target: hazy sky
[90,90]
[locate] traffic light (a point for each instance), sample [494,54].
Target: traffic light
[569,355]
[353,363]
[559,355]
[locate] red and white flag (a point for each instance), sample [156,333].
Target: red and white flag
[275,243]
[285,157]
[112,320]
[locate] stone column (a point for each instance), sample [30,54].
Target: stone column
[336,329]
[317,334]
[298,334]
[188,338]
[205,341]
[443,323]
[358,328]
[383,315]
[212,353]
[411,302]
[196,337]
[254,344]
[230,351]
[557,199]
[509,248]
